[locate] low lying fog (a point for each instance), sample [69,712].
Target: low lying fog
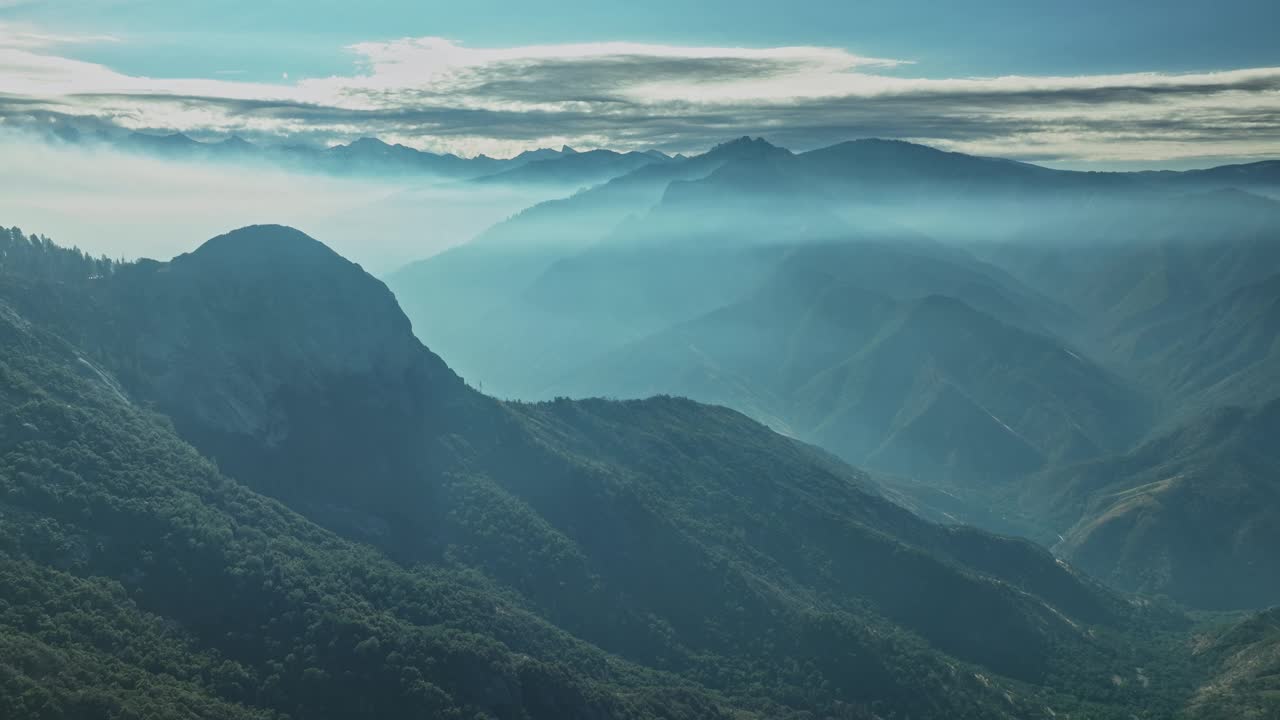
[120,204]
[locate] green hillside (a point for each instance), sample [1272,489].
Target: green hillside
[564,559]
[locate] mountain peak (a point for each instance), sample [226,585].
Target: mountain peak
[746,141]
[304,282]
[367,142]
[264,243]
[266,313]
[745,148]
[372,146]
[544,154]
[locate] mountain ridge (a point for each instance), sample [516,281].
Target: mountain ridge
[685,539]
[1255,173]
[1133,303]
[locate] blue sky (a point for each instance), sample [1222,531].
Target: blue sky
[944,38]
[1082,64]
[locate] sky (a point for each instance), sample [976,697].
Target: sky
[1087,83]
[130,205]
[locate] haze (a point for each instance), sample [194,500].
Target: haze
[129,205]
[665,361]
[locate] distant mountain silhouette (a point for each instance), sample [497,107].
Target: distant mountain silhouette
[960,324]
[836,351]
[372,156]
[572,169]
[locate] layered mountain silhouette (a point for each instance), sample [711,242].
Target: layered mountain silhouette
[872,375]
[565,168]
[960,325]
[574,169]
[1173,288]
[236,482]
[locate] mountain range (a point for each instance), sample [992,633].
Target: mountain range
[966,328]
[236,485]
[565,168]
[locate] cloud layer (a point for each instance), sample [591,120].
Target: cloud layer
[438,95]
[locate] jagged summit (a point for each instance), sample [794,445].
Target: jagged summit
[743,140]
[747,144]
[742,149]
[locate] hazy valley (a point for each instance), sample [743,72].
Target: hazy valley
[560,559]
[805,361]
[1100,314]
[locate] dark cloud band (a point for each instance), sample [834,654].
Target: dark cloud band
[523,100]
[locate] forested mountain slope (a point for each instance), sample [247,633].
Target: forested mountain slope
[1203,500]
[1245,680]
[565,559]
